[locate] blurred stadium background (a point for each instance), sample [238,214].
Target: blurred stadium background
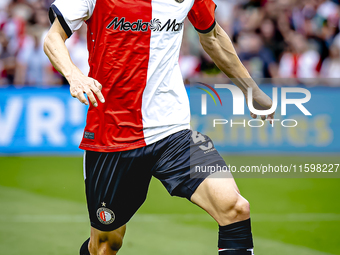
[42,203]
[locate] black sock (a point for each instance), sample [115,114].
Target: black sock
[84,249]
[235,239]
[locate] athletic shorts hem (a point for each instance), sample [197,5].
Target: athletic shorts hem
[105,228]
[185,190]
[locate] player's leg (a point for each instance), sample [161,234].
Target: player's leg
[116,186]
[106,243]
[184,171]
[103,242]
[220,197]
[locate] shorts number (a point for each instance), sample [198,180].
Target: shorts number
[196,137]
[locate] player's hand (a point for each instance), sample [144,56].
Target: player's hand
[80,84]
[261,102]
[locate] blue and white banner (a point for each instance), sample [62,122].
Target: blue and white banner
[46,121]
[306,119]
[36,120]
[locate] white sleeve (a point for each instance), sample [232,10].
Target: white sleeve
[71,13]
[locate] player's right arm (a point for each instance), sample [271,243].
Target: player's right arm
[219,47]
[55,49]
[221,50]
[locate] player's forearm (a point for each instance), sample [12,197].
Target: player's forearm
[55,49]
[220,48]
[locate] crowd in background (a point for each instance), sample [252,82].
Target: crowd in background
[291,41]
[23,27]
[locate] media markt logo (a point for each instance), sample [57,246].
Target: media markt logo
[239,103]
[154,25]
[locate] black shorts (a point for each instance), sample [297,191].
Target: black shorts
[117,182]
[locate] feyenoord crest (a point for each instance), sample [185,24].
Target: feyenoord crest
[105,215]
[179,1]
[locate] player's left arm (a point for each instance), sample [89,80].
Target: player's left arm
[221,50]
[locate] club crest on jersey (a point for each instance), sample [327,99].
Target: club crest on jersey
[154,25]
[105,215]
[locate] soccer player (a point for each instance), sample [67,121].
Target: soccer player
[138,119]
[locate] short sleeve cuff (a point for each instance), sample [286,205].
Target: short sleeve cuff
[53,13]
[205,31]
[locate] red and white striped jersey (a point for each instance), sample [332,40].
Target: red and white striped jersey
[133,52]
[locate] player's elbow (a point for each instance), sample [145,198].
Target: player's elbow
[47,41]
[52,39]
[221,57]
[209,43]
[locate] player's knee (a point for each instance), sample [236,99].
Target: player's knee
[234,210]
[242,208]
[106,246]
[116,244]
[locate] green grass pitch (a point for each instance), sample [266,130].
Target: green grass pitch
[43,211]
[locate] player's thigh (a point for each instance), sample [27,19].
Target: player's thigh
[106,242]
[191,167]
[116,186]
[190,157]
[219,195]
